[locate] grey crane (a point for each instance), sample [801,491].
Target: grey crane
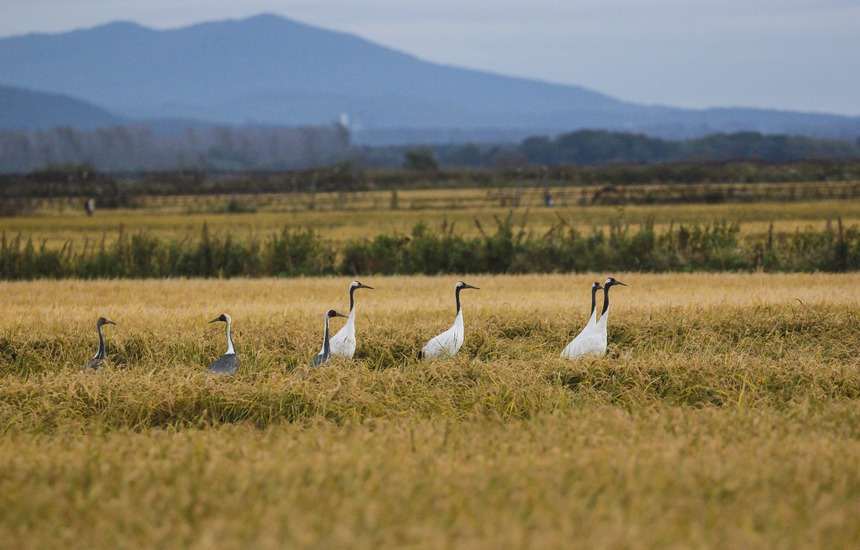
[229,362]
[97,361]
[326,349]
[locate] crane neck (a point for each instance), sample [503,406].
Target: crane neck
[604,315]
[593,302]
[230,348]
[326,342]
[457,297]
[458,321]
[352,290]
[102,352]
[351,318]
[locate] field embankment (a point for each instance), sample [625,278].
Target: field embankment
[504,248]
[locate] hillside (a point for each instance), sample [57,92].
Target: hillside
[26,109]
[271,70]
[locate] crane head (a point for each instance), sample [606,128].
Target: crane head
[224,318]
[612,281]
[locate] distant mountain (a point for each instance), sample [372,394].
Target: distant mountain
[273,71]
[26,109]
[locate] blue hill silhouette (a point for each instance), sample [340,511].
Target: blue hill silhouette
[274,71]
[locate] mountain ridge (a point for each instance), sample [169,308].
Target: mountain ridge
[267,69]
[28,109]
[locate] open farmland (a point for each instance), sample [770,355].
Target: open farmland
[726,413]
[360,215]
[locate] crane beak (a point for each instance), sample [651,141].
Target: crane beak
[620,283]
[470,286]
[341,315]
[215,320]
[365,286]
[109,322]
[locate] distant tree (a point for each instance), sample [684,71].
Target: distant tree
[540,150]
[600,147]
[421,159]
[470,155]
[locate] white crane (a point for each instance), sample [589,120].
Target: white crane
[325,354]
[97,361]
[448,343]
[229,362]
[594,342]
[575,347]
[343,343]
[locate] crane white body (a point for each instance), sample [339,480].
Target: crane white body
[594,340]
[449,342]
[343,343]
[588,340]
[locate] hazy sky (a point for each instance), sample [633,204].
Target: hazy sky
[784,54]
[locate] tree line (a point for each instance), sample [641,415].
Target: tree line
[602,148]
[139,148]
[590,147]
[222,148]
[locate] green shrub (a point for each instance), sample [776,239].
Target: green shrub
[302,252]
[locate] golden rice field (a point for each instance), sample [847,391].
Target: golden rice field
[726,414]
[363,215]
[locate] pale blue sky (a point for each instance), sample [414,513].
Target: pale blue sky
[783,54]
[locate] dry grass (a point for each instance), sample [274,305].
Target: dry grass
[599,477]
[366,217]
[727,414]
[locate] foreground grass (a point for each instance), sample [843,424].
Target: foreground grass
[726,414]
[599,477]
